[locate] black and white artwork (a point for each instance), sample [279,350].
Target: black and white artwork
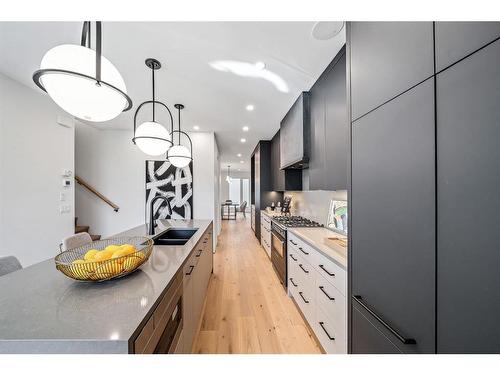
[162,178]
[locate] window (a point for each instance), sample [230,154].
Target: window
[235,190]
[246,191]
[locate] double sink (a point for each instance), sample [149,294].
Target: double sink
[174,236]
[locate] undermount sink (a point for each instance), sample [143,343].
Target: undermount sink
[175,236]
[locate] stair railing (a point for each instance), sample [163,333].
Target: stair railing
[95,192]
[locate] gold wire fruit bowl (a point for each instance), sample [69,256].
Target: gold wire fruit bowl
[105,259]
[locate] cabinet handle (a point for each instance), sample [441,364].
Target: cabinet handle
[199,253]
[326,294]
[306,301]
[291,256]
[324,269]
[303,269]
[404,340]
[322,324]
[293,242]
[190,271]
[291,280]
[305,252]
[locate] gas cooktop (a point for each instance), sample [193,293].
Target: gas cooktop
[295,221]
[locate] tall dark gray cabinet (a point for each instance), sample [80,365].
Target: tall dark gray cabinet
[425,170]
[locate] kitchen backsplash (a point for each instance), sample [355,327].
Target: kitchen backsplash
[314,205]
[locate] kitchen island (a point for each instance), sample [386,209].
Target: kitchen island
[43,311]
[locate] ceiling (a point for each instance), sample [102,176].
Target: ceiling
[215,100]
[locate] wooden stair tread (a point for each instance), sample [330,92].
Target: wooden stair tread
[95,237]
[81,228]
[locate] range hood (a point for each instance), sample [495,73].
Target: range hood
[295,138]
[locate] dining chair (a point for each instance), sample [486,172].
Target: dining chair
[75,240]
[242,208]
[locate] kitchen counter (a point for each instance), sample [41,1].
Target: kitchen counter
[43,311]
[271,214]
[317,237]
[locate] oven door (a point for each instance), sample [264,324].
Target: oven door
[278,245]
[278,256]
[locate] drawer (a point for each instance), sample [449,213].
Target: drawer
[141,342]
[305,301]
[306,276]
[332,272]
[332,303]
[332,339]
[303,249]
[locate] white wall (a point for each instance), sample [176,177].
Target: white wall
[110,162]
[34,151]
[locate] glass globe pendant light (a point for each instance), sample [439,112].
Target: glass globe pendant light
[151,137]
[179,155]
[228,177]
[82,81]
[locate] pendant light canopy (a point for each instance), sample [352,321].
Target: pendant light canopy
[179,155]
[82,81]
[228,177]
[151,137]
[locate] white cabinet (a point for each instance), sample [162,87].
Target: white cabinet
[318,285]
[265,233]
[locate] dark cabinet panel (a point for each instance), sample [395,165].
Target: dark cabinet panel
[387,58]
[468,151]
[283,179]
[329,128]
[393,214]
[368,335]
[455,40]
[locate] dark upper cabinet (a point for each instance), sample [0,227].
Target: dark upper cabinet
[295,135]
[283,179]
[392,232]
[455,40]
[468,157]
[329,128]
[387,58]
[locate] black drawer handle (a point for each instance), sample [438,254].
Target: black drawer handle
[199,253]
[326,294]
[303,269]
[306,301]
[190,271]
[293,242]
[291,280]
[291,256]
[322,324]
[324,269]
[305,252]
[404,340]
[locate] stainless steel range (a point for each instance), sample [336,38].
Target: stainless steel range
[279,225]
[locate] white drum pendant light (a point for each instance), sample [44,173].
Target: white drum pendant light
[179,155]
[151,137]
[82,81]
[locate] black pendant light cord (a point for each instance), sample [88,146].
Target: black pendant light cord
[179,108]
[154,100]
[86,41]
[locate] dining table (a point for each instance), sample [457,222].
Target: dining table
[229,214]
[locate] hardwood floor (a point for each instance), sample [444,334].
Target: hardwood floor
[246,309]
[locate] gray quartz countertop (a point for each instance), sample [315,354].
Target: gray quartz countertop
[318,238]
[43,311]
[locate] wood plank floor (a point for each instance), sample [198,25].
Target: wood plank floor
[246,309]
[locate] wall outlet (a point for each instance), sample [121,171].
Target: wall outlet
[67,173]
[62,197]
[64,209]
[66,182]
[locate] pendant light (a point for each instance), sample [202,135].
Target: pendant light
[151,137]
[179,155]
[82,81]
[228,177]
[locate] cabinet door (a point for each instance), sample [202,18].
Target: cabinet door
[468,113]
[318,143]
[188,310]
[455,40]
[336,128]
[393,213]
[387,58]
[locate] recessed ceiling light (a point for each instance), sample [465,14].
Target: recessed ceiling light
[245,128]
[239,170]
[239,155]
[243,140]
[241,161]
[326,30]
[250,107]
[196,127]
[260,65]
